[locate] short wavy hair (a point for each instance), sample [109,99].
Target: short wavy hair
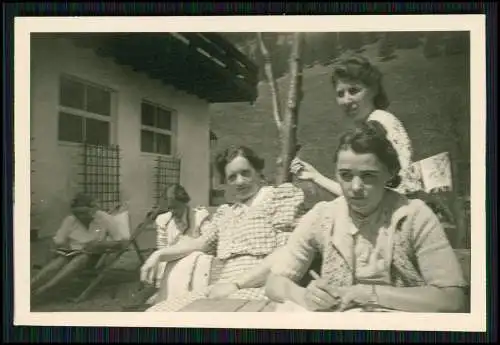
[358,68]
[371,137]
[225,157]
[83,200]
[180,193]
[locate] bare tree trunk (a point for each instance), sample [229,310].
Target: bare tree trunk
[268,67]
[290,121]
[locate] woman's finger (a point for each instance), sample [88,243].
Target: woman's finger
[325,286]
[345,301]
[143,274]
[323,296]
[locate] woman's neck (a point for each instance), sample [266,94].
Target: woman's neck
[180,214]
[249,201]
[365,116]
[361,219]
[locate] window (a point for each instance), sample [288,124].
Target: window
[156,129]
[84,112]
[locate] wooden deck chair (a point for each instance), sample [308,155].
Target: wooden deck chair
[109,258]
[437,176]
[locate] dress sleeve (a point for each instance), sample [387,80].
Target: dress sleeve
[300,250]
[201,216]
[111,226]
[61,236]
[161,223]
[398,136]
[287,207]
[436,259]
[210,229]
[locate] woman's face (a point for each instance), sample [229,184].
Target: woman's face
[169,202]
[362,178]
[242,178]
[84,214]
[355,99]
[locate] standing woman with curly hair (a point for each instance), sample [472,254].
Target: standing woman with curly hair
[360,94]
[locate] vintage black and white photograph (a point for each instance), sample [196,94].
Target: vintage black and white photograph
[275,169]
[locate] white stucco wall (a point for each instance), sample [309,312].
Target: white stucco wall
[55,178]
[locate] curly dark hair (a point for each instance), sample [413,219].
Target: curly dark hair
[371,137]
[358,68]
[225,157]
[83,200]
[180,193]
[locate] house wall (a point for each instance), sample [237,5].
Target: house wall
[55,169]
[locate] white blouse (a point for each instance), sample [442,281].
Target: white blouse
[169,231]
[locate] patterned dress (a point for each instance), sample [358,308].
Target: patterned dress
[397,135]
[242,236]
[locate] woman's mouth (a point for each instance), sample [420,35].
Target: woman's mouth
[351,109]
[358,200]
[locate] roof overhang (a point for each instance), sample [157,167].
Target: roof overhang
[203,64]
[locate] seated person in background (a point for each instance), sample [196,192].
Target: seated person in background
[83,237]
[243,236]
[378,248]
[176,222]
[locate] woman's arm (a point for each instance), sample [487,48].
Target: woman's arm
[181,249]
[292,261]
[60,239]
[422,299]
[327,184]
[257,276]
[444,289]
[306,171]
[281,289]
[428,298]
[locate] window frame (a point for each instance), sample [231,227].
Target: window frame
[110,119]
[172,132]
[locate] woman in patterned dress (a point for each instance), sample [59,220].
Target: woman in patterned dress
[379,249]
[361,95]
[244,236]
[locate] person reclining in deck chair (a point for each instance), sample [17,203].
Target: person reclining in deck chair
[245,236]
[82,238]
[175,222]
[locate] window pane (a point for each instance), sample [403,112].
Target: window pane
[70,128]
[98,101]
[147,141]
[71,94]
[163,145]
[97,132]
[164,119]
[147,114]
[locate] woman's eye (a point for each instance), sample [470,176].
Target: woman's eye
[346,176]
[354,90]
[369,178]
[246,173]
[340,94]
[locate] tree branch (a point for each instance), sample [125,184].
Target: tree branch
[268,68]
[289,130]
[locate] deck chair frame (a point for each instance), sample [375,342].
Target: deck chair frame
[103,266]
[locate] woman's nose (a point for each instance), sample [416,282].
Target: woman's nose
[239,180]
[356,184]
